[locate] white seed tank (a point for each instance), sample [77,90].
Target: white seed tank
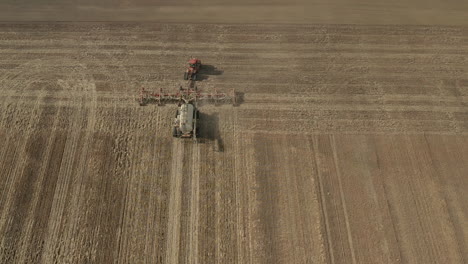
[185,118]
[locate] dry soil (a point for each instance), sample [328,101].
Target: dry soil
[349,145]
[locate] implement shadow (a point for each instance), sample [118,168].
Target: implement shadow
[208,128]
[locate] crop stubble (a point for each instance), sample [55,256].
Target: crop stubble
[349,145]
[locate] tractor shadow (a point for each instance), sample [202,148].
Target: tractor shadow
[239,98]
[208,127]
[208,70]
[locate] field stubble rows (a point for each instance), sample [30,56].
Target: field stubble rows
[348,146]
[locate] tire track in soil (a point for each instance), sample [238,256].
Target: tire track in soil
[454,192]
[18,228]
[313,144]
[193,249]
[9,241]
[240,190]
[301,204]
[225,186]
[54,247]
[357,154]
[207,245]
[14,118]
[175,203]
[115,192]
[63,235]
[441,232]
[146,200]
[132,231]
[266,246]
[414,197]
[74,236]
[32,241]
[343,200]
[186,196]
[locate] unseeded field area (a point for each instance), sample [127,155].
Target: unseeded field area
[350,145]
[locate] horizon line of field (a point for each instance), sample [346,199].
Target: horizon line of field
[112,43]
[178,39]
[234,44]
[168,63]
[230,42]
[345,51]
[293,54]
[208,38]
[172,47]
[234,29]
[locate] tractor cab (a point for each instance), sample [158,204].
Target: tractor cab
[194,63]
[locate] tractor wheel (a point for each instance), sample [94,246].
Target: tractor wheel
[186,76]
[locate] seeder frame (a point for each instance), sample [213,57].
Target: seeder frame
[191,94]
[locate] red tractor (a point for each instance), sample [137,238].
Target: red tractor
[194,66]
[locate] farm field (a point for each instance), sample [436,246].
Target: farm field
[365,12]
[349,144]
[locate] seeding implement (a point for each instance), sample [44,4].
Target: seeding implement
[187,114]
[190,94]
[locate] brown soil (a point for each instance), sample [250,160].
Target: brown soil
[350,145]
